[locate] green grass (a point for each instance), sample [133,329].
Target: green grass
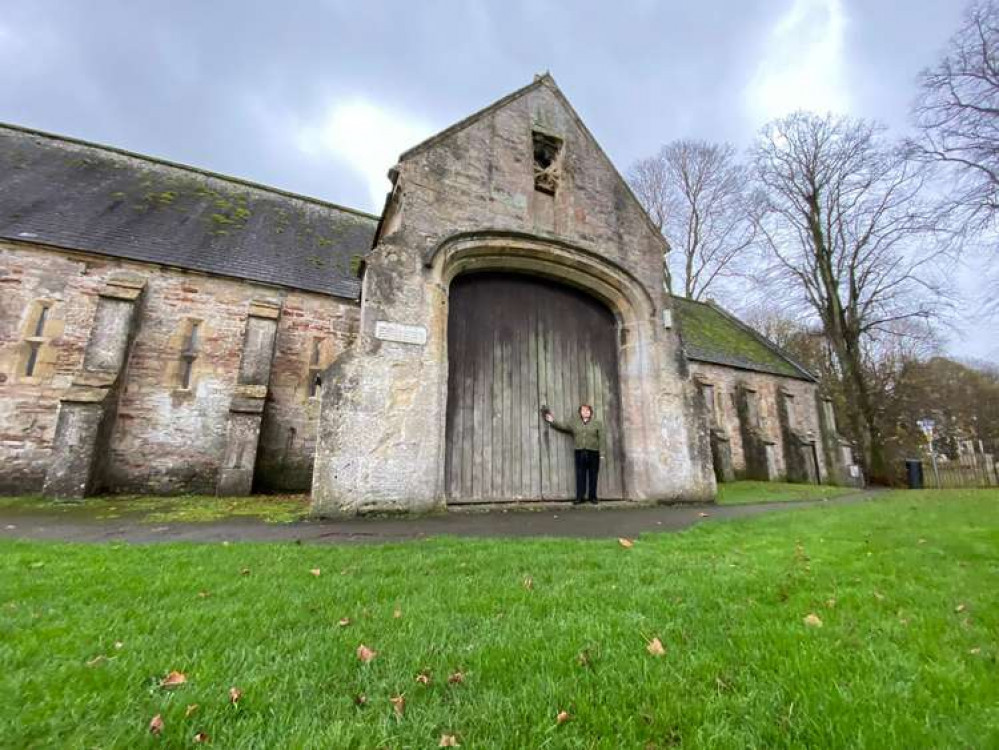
[162,509]
[906,657]
[746,492]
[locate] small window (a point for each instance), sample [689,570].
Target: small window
[189,354]
[792,417]
[315,369]
[547,162]
[708,392]
[36,340]
[752,409]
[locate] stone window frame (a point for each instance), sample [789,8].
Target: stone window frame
[753,411]
[35,339]
[189,354]
[713,404]
[791,409]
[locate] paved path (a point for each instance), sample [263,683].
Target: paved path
[607,520]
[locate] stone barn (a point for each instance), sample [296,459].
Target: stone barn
[164,329]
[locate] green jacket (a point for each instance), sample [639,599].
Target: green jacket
[587,436]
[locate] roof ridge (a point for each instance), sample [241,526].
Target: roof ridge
[779,351]
[185,167]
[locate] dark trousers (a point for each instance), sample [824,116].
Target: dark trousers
[587,468]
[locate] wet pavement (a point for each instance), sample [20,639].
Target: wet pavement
[608,520]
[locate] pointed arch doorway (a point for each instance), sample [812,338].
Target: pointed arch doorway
[516,343]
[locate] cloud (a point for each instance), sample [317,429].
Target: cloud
[367,137]
[804,65]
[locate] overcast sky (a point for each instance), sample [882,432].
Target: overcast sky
[320,96]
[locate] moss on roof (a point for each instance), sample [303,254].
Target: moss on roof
[712,335]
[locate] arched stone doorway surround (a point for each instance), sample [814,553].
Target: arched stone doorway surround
[382,429]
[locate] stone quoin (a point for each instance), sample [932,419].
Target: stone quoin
[164,329]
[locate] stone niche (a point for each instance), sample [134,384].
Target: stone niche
[469,200]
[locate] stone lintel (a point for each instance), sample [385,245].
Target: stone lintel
[251,391]
[95,378]
[265,309]
[247,405]
[124,286]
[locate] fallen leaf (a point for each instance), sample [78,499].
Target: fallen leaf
[457,678]
[343,622]
[244,571]
[583,658]
[156,725]
[234,695]
[119,645]
[10,527]
[190,710]
[830,603]
[529,583]
[360,699]
[173,679]
[879,596]
[397,613]
[656,647]
[201,737]
[562,717]
[702,514]
[226,544]
[203,594]
[626,543]
[812,620]
[96,660]
[365,654]
[921,541]
[316,572]
[960,608]
[423,678]
[398,705]
[448,740]
[975,650]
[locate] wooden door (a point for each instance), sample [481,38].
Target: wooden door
[516,343]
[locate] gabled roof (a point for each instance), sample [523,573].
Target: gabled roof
[710,334]
[81,196]
[543,80]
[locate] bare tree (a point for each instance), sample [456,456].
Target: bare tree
[957,113]
[850,240]
[694,193]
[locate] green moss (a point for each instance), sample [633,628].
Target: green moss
[356,264]
[714,333]
[165,198]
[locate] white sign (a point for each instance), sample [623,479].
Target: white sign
[927,425]
[402,333]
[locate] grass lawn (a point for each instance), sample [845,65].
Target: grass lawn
[906,655]
[165,508]
[745,492]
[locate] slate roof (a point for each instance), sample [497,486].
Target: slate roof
[710,334]
[81,196]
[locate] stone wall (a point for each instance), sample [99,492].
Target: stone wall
[165,438]
[801,417]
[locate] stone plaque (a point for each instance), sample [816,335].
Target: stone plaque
[399,332]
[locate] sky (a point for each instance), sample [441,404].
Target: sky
[320,96]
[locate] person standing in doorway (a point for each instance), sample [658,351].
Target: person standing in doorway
[588,438]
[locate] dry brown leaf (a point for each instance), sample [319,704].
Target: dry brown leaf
[156,725]
[702,514]
[398,705]
[626,543]
[244,571]
[812,620]
[173,679]
[562,717]
[583,658]
[201,737]
[119,645]
[316,572]
[344,622]
[365,654]
[397,613]
[529,583]
[360,699]
[234,695]
[975,650]
[423,678]
[190,710]
[655,647]
[879,596]
[960,608]
[203,594]
[456,678]
[448,740]
[97,660]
